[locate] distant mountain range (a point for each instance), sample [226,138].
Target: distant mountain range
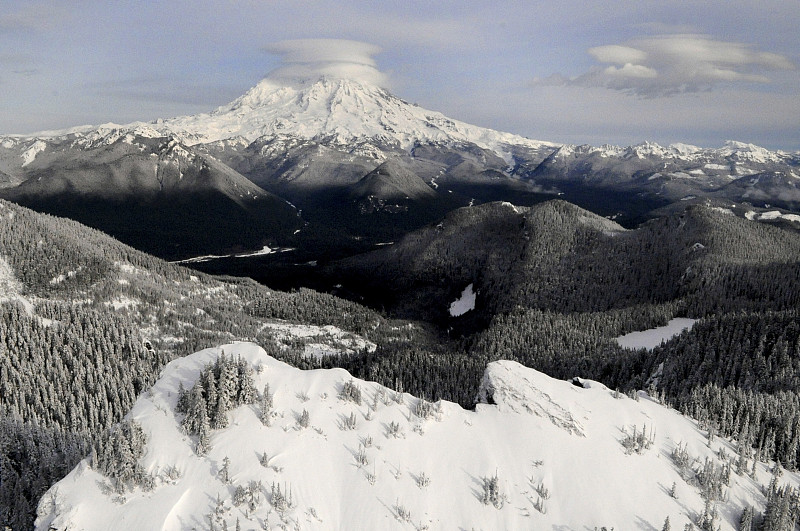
[357,164]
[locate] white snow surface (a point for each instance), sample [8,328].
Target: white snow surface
[466,301]
[777,214]
[342,109]
[540,431]
[652,338]
[320,340]
[11,288]
[29,154]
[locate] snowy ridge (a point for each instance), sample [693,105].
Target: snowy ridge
[366,118]
[546,455]
[510,390]
[732,151]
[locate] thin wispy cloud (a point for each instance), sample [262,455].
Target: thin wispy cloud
[674,64]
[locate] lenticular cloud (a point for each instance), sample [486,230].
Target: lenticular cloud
[674,64]
[305,59]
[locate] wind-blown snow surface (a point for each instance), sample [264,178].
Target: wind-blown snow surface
[539,431]
[652,338]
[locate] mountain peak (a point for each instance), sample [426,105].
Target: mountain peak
[269,91]
[336,110]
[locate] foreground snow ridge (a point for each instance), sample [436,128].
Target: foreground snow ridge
[338,453]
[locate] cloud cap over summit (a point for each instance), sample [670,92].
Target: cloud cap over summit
[309,59]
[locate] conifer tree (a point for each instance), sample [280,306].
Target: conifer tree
[746,520]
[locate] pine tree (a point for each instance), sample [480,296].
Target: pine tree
[246,391]
[209,384]
[203,440]
[196,411]
[225,470]
[666,526]
[746,520]
[266,406]
[227,387]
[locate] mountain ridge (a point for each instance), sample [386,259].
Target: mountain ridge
[350,454]
[341,111]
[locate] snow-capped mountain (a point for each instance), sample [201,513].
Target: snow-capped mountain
[614,164]
[346,113]
[675,173]
[325,451]
[312,142]
[339,111]
[336,111]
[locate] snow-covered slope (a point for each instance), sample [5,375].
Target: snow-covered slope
[544,454]
[334,110]
[309,130]
[731,152]
[339,110]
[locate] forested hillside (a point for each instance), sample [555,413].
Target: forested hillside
[556,285]
[558,257]
[87,323]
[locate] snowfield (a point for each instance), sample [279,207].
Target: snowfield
[465,303]
[772,215]
[652,338]
[536,453]
[11,288]
[319,340]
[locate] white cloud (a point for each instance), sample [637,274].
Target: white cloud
[598,116]
[614,53]
[673,64]
[339,58]
[629,70]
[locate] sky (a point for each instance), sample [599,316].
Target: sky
[617,72]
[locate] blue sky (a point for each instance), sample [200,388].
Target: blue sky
[616,72]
